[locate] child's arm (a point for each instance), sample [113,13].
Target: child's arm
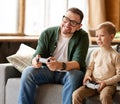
[90,69]
[116,78]
[86,78]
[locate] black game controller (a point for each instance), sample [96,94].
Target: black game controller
[91,84]
[43,60]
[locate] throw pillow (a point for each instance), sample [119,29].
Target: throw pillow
[22,58]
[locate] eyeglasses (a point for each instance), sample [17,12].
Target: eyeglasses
[72,22]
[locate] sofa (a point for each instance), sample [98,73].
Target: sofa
[46,93]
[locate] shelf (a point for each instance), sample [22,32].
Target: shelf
[18,38]
[115,40]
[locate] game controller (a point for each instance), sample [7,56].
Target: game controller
[91,84]
[43,60]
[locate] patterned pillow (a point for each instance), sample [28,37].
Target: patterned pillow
[22,58]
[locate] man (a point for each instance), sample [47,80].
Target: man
[65,47]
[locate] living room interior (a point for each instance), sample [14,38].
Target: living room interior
[27,20]
[22,21]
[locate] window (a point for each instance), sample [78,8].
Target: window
[8,16]
[31,17]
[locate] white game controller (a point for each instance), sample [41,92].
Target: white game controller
[92,85]
[43,60]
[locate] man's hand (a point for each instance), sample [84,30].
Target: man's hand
[35,63]
[53,64]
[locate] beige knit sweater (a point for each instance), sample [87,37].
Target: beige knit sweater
[104,65]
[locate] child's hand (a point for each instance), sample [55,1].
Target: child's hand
[86,78]
[102,85]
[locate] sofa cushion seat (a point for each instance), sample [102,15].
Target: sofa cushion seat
[49,94]
[12,90]
[45,94]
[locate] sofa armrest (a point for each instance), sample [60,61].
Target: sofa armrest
[6,71]
[9,71]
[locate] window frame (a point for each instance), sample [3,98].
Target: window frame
[21,15]
[21,20]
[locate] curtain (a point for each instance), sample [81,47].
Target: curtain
[96,13]
[113,12]
[103,10]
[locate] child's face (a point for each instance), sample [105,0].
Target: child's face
[103,38]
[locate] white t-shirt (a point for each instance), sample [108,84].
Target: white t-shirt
[61,51]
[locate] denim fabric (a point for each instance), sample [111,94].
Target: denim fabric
[32,77]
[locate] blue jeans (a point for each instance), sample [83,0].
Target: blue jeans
[32,77]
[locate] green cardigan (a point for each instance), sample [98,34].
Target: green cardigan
[77,49]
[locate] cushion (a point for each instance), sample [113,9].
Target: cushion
[22,58]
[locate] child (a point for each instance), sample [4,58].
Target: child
[103,69]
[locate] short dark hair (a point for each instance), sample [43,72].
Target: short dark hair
[109,26]
[77,11]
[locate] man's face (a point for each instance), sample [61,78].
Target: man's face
[70,23]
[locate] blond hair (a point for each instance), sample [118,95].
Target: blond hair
[109,26]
